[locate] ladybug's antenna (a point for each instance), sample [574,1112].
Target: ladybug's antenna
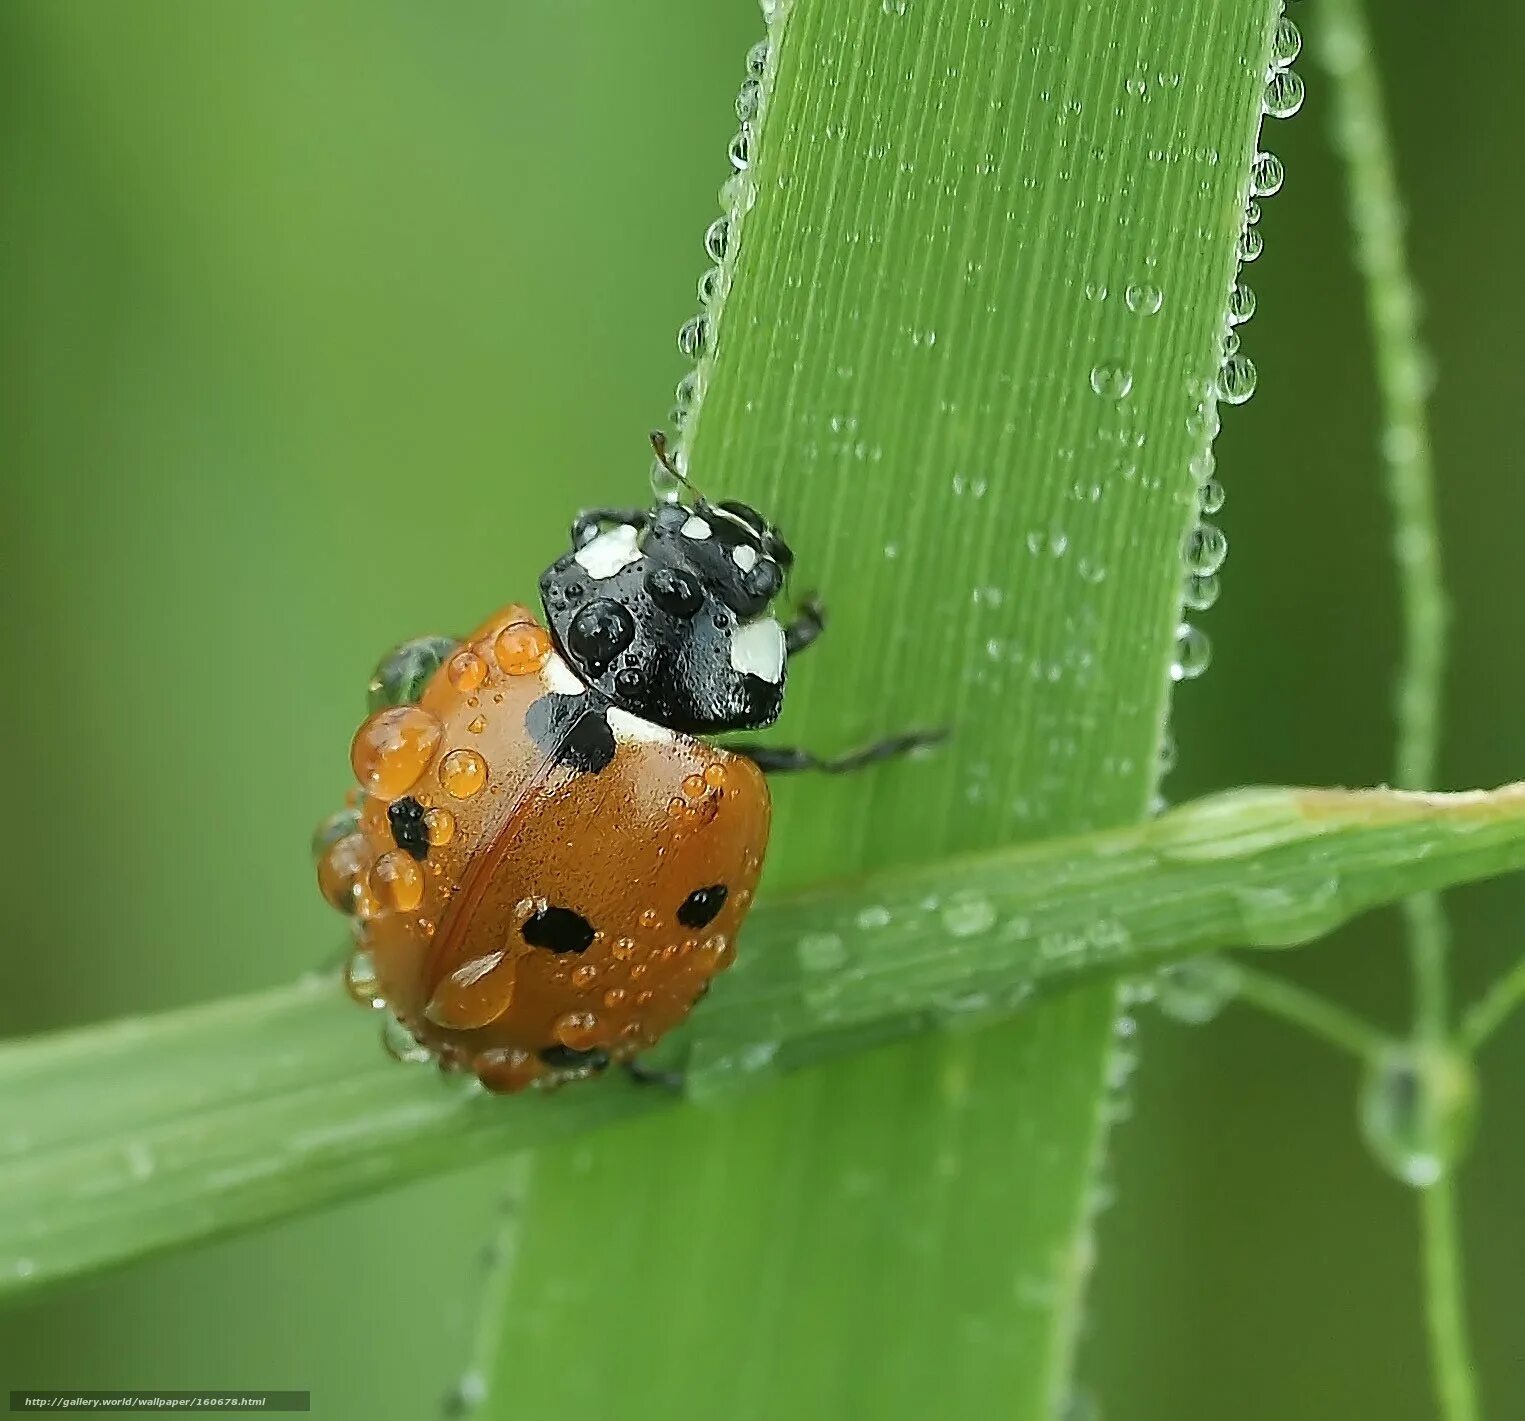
[659,446]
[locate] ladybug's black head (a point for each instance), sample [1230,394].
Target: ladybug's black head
[668,614]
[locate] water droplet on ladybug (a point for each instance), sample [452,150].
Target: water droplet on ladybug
[392,749]
[399,1043]
[341,868]
[521,650]
[577,1029]
[584,975]
[462,773]
[331,830]
[440,824]
[506,1069]
[405,671]
[398,882]
[360,979]
[477,725]
[466,671]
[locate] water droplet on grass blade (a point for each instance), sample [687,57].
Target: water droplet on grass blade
[1266,175]
[1204,550]
[1284,94]
[1417,1110]
[1236,380]
[1201,592]
[821,952]
[1286,43]
[1193,992]
[1112,380]
[1193,651]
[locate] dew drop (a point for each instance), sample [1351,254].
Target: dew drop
[1111,380]
[1096,291]
[577,1029]
[1284,93]
[463,773]
[757,59]
[1210,496]
[1286,43]
[749,100]
[1193,651]
[391,749]
[466,671]
[821,952]
[1204,550]
[1251,244]
[360,980]
[1266,175]
[522,649]
[1417,1109]
[1145,300]
[1201,591]
[710,286]
[1193,992]
[398,881]
[692,335]
[331,830]
[1236,380]
[440,824]
[740,151]
[1241,304]
[968,914]
[716,238]
[399,1043]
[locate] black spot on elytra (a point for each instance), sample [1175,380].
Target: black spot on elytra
[702,906]
[567,1058]
[409,832]
[558,930]
[573,730]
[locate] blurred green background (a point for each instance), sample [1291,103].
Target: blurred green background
[290,287]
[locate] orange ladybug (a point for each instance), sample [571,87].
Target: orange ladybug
[545,862]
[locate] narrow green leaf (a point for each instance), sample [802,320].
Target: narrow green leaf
[121,1140]
[929,366]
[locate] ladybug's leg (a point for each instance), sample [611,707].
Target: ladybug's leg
[642,1074]
[586,526]
[806,627]
[780,759]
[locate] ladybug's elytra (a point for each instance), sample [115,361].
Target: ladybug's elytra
[544,860]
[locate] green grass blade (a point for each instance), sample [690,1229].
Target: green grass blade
[984,466]
[121,1140]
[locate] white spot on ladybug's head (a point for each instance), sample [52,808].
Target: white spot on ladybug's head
[557,676]
[744,556]
[611,552]
[757,649]
[696,528]
[627,727]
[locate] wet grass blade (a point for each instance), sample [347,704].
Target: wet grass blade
[122,1140]
[970,317]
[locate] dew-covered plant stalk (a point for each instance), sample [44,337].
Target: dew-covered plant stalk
[128,1138]
[1441,1072]
[967,342]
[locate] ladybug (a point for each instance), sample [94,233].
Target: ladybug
[545,859]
